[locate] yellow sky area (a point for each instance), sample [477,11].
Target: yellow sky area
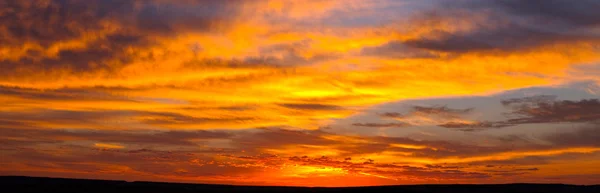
[308,150]
[263,89]
[108,146]
[392,157]
[409,146]
[307,171]
[345,78]
[324,176]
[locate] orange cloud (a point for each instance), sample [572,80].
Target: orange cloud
[108,146]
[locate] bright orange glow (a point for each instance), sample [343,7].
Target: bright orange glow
[108,146]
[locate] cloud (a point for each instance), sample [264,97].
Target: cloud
[531,99]
[291,54]
[167,118]
[264,138]
[64,94]
[42,23]
[309,106]
[536,111]
[183,154]
[441,111]
[32,137]
[473,126]
[108,146]
[585,136]
[381,124]
[429,115]
[110,119]
[98,35]
[512,172]
[396,50]
[580,14]
[508,25]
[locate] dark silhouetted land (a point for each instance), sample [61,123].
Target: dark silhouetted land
[17,184]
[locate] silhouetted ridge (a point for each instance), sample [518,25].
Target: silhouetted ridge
[20,184]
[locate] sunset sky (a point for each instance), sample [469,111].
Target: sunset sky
[301,92]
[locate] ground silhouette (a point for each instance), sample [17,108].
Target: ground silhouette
[20,184]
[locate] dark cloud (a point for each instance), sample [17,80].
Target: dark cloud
[582,135]
[537,109]
[165,118]
[381,124]
[514,139]
[142,162]
[585,136]
[311,106]
[264,138]
[513,37]
[178,138]
[50,21]
[587,110]
[391,115]
[34,116]
[63,94]
[580,13]
[288,54]
[102,55]
[113,119]
[473,126]
[532,99]
[233,63]
[509,24]
[117,26]
[47,22]
[169,16]
[278,56]
[396,50]
[505,172]
[7,123]
[443,167]
[441,111]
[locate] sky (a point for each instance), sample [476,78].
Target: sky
[301,92]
